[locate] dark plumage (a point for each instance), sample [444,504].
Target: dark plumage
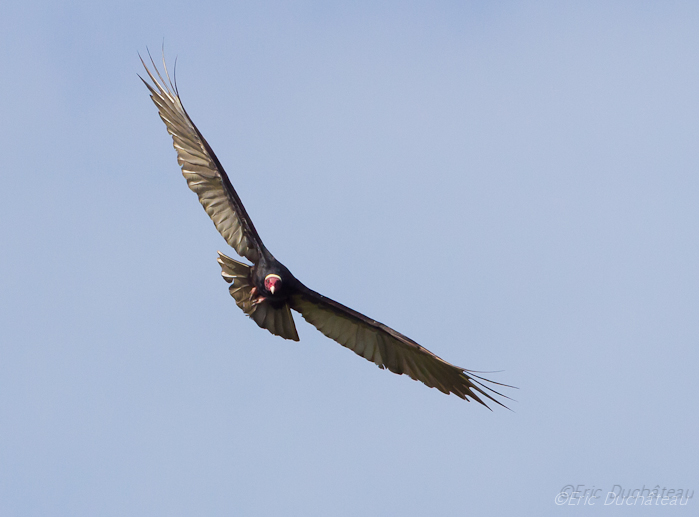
[266,290]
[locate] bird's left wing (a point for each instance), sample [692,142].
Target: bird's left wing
[203,171]
[387,348]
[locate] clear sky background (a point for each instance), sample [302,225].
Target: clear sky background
[514,186]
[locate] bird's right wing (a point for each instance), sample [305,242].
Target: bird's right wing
[203,171]
[387,348]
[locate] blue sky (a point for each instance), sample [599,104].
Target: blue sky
[514,186]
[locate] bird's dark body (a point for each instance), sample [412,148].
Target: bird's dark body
[366,337]
[270,266]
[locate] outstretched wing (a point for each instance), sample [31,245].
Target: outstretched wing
[387,348]
[203,171]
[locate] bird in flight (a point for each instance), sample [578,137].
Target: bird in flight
[267,291]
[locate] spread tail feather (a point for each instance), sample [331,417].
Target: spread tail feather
[278,320]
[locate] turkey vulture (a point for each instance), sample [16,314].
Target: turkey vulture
[266,291]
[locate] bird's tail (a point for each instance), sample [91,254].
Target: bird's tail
[278,320]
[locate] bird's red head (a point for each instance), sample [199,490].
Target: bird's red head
[273,283]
